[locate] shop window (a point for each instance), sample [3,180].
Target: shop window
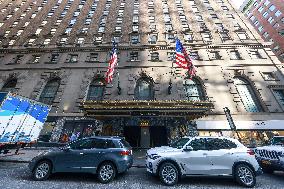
[193,90]
[247,95]
[46,132]
[144,89]
[9,86]
[49,92]
[96,90]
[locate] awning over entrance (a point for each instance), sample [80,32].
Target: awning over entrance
[175,108]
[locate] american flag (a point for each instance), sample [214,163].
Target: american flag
[183,60]
[111,64]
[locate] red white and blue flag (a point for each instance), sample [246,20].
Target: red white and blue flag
[183,60]
[111,64]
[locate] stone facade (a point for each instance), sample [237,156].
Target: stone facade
[217,64]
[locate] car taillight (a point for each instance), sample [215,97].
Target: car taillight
[250,152]
[125,153]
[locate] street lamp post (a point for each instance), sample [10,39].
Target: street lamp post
[231,121]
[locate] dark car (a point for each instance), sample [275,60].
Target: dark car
[104,156]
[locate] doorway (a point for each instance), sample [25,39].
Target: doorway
[132,135]
[158,136]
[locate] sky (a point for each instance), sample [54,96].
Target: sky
[237,3]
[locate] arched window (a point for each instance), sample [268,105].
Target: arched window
[144,89]
[96,90]
[49,92]
[248,97]
[193,90]
[9,86]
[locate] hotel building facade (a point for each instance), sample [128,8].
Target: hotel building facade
[57,52]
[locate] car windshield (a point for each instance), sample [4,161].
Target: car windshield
[278,141]
[179,143]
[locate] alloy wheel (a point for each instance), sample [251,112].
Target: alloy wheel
[42,171]
[245,175]
[169,174]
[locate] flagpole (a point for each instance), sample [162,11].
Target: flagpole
[118,82]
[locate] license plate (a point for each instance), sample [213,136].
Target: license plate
[266,162]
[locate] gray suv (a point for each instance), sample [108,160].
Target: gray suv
[104,156]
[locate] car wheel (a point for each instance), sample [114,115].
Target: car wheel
[267,170]
[245,175]
[106,172]
[42,170]
[168,174]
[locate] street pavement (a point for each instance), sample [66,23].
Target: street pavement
[17,175]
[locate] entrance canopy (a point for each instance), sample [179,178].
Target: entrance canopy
[175,108]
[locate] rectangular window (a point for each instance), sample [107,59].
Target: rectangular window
[18,59]
[260,9]
[54,58]
[214,55]
[255,54]
[270,20]
[80,40]
[272,8]
[260,28]
[73,58]
[279,94]
[46,41]
[134,39]
[31,41]
[188,37]
[266,3]
[170,37]
[171,56]
[35,59]
[154,56]
[252,18]
[206,36]
[94,57]
[268,76]
[242,35]
[265,35]
[278,13]
[11,42]
[133,56]
[194,55]
[235,55]
[153,39]
[265,14]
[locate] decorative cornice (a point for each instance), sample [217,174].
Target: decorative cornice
[136,47]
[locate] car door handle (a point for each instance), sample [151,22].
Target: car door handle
[81,153]
[205,154]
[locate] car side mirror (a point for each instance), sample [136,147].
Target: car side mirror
[188,149]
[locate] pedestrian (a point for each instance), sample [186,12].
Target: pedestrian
[73,137]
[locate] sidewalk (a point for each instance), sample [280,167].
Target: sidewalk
[27,154]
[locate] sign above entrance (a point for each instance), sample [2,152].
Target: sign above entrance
[176,108]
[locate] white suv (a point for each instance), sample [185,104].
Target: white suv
[203,156]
